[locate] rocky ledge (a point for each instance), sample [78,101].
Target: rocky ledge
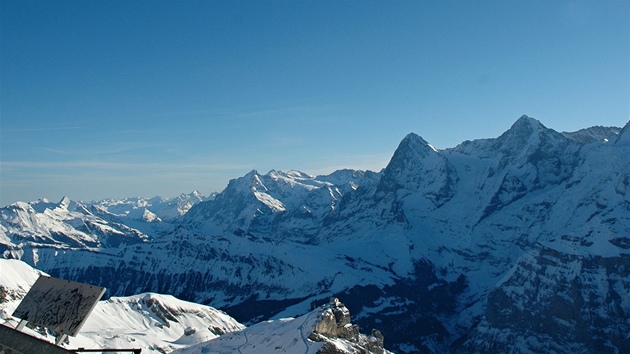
[341,336]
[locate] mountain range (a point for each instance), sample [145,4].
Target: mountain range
[164,324]
[518,243]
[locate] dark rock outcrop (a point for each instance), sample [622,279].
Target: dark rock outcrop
[335,323]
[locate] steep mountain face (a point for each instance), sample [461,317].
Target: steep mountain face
[434,250]
[278,205]
[557,301]
[417,166]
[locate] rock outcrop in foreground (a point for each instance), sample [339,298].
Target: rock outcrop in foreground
[325,330]
[335,324]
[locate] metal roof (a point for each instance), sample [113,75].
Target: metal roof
[16,342]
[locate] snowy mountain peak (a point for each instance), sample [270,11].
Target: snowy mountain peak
[250,182]
[526,120]
[293,176]
[253,181]
[298,174]
[526,126]
[144,214]
[64,203]
[529,138]
[252,173]
[417,166]
[411,148]
[521,132]
[624,135]
[413,140]
[42,204]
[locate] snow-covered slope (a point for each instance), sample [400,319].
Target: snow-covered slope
[419,250]
[153,322]
[151,209]
[594,134]
[278,205]
[327,329]
[88,225]
[163,323]
[63,225]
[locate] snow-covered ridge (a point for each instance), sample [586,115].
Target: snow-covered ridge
[149,321]
[160,208]
[292,204]
[98,224]
[163,323]
[327,329]
[435,233]
[594,134]
[63,225]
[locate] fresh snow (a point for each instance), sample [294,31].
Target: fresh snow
[475,212]
[163,323]
[148,321]
[287,335]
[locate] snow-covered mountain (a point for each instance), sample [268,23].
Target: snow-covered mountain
[163,323]
[152,209]
[154,322]
[327,329]
[278,205]
[63,225]
[442,250]
[89,225]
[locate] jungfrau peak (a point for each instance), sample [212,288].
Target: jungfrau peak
[467,249]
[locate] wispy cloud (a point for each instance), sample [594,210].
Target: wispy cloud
[57,151]
[39,129]
[119,148]
[299,109]
[125,166]
[88,180]
[255,111]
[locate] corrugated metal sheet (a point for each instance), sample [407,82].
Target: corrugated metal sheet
[16,342]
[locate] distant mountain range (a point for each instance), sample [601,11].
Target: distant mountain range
[518,243]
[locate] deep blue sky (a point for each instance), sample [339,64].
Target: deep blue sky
[141,98]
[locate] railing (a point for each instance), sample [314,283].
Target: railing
[135,350]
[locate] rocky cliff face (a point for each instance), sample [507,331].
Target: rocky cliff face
[424,250]
[334,322]
[553,301]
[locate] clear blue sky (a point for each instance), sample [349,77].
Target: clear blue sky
[141,98]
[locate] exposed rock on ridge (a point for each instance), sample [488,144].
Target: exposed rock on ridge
[424,247]
[335,322]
